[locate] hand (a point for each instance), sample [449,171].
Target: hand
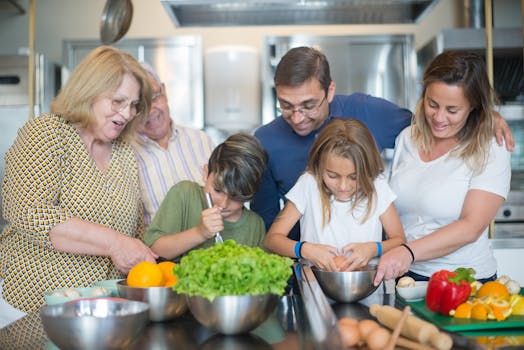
[211,222]
[359,255]
[128,251]
[320,255]
[392,264]
[503,133]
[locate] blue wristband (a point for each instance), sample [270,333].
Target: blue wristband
[379,249]
[297,249]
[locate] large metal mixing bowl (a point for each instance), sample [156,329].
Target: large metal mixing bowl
[233,314]
[164,303]
[347,286]
[94,323]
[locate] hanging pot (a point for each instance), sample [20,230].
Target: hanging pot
[116,19]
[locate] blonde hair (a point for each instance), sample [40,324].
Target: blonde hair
[350,139]
[101,72]
[466,70]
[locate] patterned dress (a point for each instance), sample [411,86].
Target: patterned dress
[50,177]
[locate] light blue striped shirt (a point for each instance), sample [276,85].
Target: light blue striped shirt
[187,152]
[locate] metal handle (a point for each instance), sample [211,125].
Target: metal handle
[218,237]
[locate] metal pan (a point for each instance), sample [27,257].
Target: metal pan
[116,19]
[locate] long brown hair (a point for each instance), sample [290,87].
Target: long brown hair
[466,70]
[347,138]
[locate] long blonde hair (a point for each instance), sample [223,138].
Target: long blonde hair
[347,138]
[98,74]
[466,70]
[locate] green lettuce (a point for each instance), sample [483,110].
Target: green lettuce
[231,269]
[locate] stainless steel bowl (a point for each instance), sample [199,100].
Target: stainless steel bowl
[109,323]
[233,314]
[164,303]
[347,286]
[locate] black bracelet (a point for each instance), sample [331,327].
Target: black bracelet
[300,248]
[410,252]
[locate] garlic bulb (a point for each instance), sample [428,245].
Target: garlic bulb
[406,282]
[513,287]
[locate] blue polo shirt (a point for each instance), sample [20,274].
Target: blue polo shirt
[288,152]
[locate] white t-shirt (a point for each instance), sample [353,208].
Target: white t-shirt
[344,226]
[430,195]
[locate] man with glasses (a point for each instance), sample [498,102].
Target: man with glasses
[307,102]
[166,153]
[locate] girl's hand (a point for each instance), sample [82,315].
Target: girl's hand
[359,255]
[211,222]
[320,255]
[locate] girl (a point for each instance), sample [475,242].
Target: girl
[342,202]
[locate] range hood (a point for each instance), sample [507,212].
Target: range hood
[205,13]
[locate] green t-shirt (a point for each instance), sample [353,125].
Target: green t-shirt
[180,210]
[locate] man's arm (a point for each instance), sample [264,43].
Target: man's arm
[503,133]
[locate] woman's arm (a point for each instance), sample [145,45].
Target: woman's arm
[77,236]
[480,207]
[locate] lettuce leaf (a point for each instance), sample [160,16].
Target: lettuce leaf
[232,269]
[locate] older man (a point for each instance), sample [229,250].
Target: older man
[167,153]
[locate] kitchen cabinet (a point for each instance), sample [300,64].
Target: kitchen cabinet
[178,62]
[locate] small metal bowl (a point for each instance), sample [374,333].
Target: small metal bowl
[164,303]
[106,323]
[233,314]
[347,286]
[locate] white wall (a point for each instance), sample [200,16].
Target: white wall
[58,20]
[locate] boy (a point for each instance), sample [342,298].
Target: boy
[232,176]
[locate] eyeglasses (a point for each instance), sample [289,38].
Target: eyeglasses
[119,104]
[306,111]
[156,95]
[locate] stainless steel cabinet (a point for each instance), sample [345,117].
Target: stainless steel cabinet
[178,62]
[380,65]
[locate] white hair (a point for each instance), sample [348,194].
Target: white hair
[151,72]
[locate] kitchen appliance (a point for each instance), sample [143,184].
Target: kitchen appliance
[232,88]
[186,13]
[14,97]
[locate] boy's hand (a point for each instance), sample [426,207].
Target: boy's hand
[211,222]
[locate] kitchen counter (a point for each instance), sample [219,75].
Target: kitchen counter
[305,320]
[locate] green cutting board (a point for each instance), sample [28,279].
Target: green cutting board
[461,324]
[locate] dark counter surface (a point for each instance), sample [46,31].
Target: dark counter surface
[305,320]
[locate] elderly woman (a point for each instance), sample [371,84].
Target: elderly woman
[71,187]
[449,174]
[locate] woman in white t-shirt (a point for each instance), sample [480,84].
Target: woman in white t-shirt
[449,174]
[342,200]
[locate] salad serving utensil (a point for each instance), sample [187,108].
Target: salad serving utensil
[218,237]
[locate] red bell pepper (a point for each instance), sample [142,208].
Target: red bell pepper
[448,289]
